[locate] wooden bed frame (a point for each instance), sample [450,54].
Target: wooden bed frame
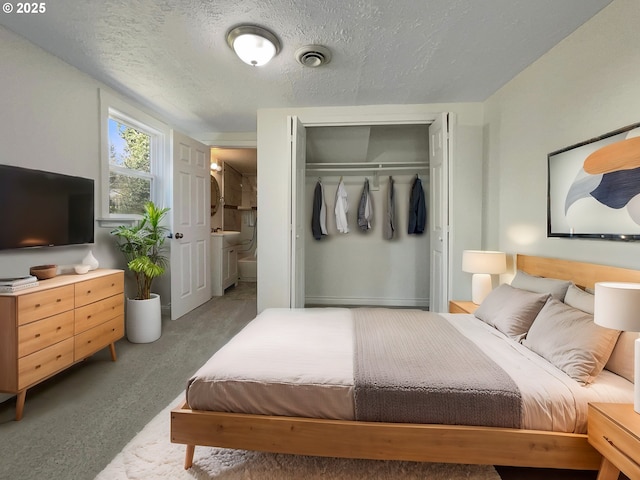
[402,441]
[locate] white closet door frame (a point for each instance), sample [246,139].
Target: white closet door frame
[298,139]
[323,120]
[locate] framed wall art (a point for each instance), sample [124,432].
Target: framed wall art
[594,188]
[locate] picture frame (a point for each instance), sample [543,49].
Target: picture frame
[593,188]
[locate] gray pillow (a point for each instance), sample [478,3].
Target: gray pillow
[511,310]
[578,298]
[622,358]
[557,288]
[569,339]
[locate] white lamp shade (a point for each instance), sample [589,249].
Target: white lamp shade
[480,261]
[617,306]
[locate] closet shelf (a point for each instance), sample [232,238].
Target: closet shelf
[366,166]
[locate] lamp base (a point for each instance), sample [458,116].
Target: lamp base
[636,377]
[480,287]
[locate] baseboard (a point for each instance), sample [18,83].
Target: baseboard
[367,301]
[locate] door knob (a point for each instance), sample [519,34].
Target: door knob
[179,235]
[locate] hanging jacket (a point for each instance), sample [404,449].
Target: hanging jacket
[365,210]
[390,217]
[341,208]
[323,212]
[319,214]
[417,208]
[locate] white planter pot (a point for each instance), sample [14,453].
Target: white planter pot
[143,320]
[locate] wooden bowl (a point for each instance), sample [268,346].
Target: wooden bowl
[42,272]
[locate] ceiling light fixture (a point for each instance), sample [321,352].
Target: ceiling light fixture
[254,45]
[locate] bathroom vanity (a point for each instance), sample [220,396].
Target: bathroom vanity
[224,261]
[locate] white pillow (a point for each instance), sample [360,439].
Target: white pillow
[569,339]
[511,310]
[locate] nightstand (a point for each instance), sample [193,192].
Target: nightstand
[614,430]
[462,306]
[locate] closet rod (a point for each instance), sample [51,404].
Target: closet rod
[367,164]
[363,169]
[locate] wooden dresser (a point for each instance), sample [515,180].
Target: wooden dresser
[62,321]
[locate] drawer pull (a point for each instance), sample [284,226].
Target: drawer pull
[610,442]
[37,305]
[58,357]
[37,335]
[88,317]
[58,300]
[59,328]
[38,366]
[88,292]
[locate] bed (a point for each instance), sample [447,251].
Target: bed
[327,425]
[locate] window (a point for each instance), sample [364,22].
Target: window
[134,153]
[130,177]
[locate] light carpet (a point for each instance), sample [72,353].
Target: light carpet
[151,455]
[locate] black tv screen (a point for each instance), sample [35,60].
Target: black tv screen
[40,209]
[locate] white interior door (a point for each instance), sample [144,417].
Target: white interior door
[298,166]
[439,213]
[190,259]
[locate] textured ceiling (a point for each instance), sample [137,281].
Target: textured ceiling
[171,55]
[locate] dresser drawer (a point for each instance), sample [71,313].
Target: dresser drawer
[45,362]
[96,289]
[615,443]
[94,314]
[42,304]
[89,342]
[37,335]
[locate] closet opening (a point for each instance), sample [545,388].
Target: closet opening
[375,266]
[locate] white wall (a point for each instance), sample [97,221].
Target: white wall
[50,121]
[274,173]
[586,86]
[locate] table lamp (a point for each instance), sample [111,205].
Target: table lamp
[482,264]
[617,306]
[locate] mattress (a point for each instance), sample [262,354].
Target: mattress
[299,362]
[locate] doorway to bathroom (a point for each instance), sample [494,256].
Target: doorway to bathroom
[234,217]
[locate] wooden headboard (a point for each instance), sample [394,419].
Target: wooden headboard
[582,274]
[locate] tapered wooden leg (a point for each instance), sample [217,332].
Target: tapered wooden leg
[188,458]
[112,349]
[608,471]
[22,395]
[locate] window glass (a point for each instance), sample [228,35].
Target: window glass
[130,167]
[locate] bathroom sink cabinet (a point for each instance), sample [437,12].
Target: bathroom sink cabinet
[224,258]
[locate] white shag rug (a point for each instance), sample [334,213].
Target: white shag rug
[151,455]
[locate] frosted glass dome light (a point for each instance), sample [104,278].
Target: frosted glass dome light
[255,46]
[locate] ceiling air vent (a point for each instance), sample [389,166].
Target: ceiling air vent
[313,55]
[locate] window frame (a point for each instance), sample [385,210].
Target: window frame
[113,107]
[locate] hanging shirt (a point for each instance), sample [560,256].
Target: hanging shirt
[365,209]
[417,208]
[341,209]
[319,214]
[390,217]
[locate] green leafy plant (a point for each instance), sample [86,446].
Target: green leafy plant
[143,247]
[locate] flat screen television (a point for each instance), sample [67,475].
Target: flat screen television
[44,209]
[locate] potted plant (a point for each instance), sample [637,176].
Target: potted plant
[142,245]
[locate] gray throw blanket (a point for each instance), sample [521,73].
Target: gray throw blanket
[415,367]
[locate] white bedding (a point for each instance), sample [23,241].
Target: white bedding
[299,362]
